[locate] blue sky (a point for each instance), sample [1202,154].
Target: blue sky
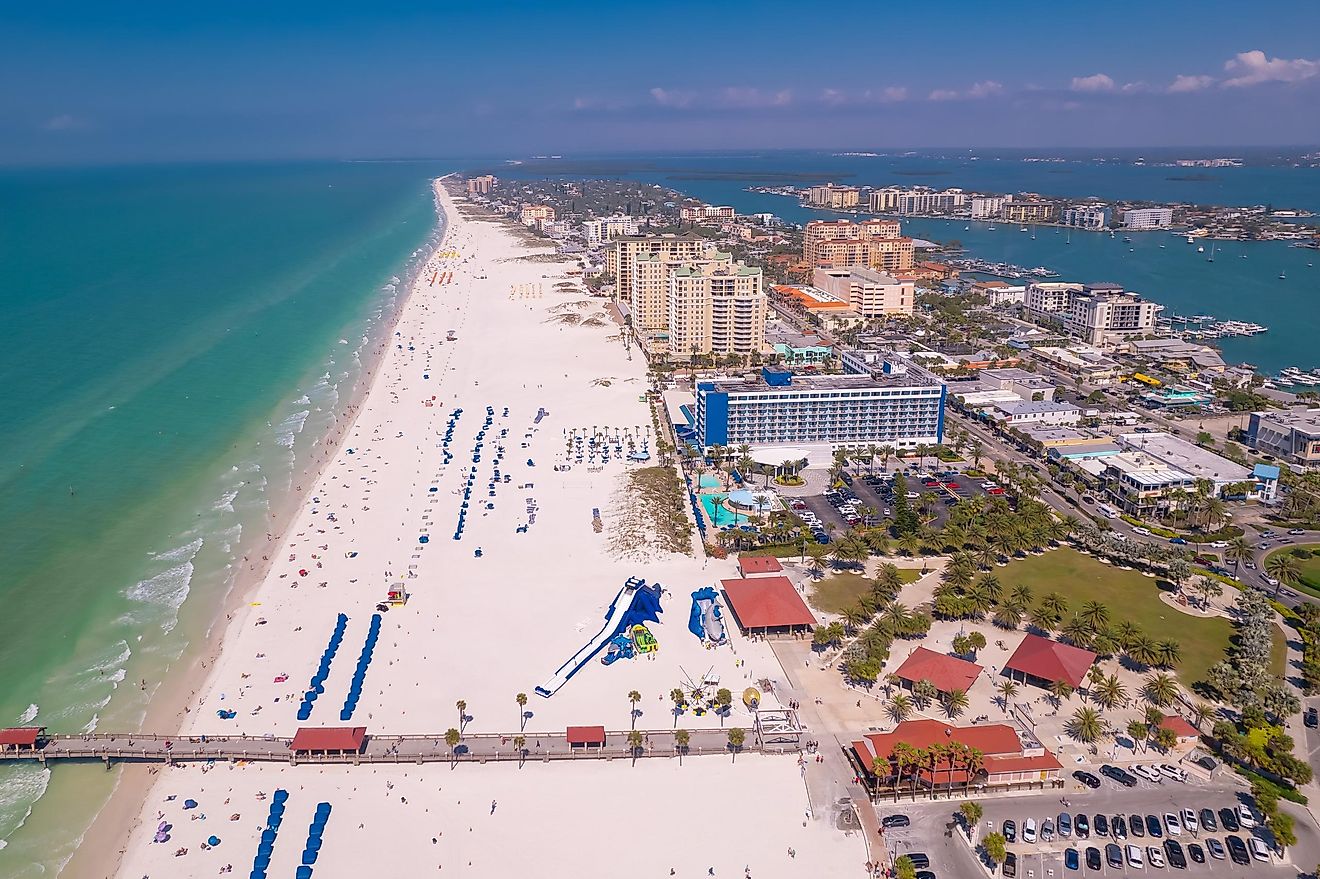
[199,80]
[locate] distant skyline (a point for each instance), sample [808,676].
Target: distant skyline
[94,82]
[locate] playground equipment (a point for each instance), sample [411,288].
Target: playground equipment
[643,639]
[635,603]
[707,620]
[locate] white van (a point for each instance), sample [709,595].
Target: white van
[1134,858]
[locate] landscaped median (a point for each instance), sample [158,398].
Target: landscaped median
[1306,557]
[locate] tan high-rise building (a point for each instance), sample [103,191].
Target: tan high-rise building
[715,307]
[481,185]
[1027,212]
[531,214]
[830,196]
[619,259]
[872,243]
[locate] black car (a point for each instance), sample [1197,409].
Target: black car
[895,821]
[920,860]
[1114,855]
[1311,718]
[1136,825]
[1118,827]
[1208,822]
[1196,853]
[1081,826]
[1087,779]
[924,874]
[1010,865]
[1071,860]
[1010,831]
[1092,858]
[1228,818]
[1237,850]
[1123,777]
[1154,826]
[1174,852]
[1101,825]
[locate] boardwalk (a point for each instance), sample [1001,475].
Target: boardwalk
[149,748]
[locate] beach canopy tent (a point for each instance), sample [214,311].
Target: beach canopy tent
[330,739]
[758,564]
[586,736]
[947,673]
[1042,662]
[19,738]
[768,605]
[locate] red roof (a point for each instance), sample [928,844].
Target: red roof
[758,564]
[1180,727]
[1051,660]
[998,743]
[947,673]
[586,735]
[20,736]
[330,738]
[767,602]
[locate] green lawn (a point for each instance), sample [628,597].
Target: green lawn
[1128,595]
[1309,567]
[838,592]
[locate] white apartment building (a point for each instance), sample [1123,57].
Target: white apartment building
[987,207]
[1085,216]
[1045,301]
[1098,314]
[916,201]
[715,307]
[1148,218]
[868,292]
[603,229]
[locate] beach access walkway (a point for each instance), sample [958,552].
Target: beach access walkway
[352,745]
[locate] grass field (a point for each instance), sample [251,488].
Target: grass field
[838,592]
[1309,567]
[1128,595]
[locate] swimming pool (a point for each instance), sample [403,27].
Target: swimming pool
[708,481]
[716,513]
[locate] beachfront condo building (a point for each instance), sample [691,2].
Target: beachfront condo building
[1027,211]
[776,408]
[1148,218]
[619,259]
[715,307]
[830,196]
[868,292]
[481,185]
[894,200]
[531,214]
[987,207]
[601,230]
[875,244]
[1081,216]
[704,212]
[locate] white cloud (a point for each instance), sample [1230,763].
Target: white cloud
[988,88]
[943,95]
[1185,83]
[1096,82]
[1254,68]
[741,96]
[670,98]
[894,93]
[62,122]
[1132,87]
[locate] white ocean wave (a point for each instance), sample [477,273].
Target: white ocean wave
[90,726]
[290,427]
[167,590]
[22,786]
[226,502]
[29,715]
[180,553]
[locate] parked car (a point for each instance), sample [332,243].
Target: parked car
[1081,827]
[1172,825]
[1114,855]
[1009,868]
[1147,772]
[1047,830]
[920,860]
[1237,850]
[1245,817]
[1259,850]
[1010,831]
[1064,824]
[1154,827]
[1121,776]
[1208,822]
[1228,818]
[1029,830]
[1101,825]
[1296,531]
[1177,773]
[1071,859]
[1215,847]
[1189,822]
[1154,856]
[1311,718]
[1087,779]
[1196,853]
[1137,825]
[1134,858]
[1092,858]
[895,821]
[1174,853]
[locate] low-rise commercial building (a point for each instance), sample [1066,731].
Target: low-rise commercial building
[1081,361]
[702,213]
[1025,385]
[531,214]
[903,408]
[868,292]
[1178,454]
[1018,412]
[1000,294]
[1027,211]
[1291,435]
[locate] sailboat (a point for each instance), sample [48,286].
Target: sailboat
[1211,257]
[1283,276]
[1068,240]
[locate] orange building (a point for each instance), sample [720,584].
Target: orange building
[875,243]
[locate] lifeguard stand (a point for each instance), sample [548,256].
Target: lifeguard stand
[397,596]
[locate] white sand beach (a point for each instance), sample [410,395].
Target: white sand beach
[490,615]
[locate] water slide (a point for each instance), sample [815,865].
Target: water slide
[636,603]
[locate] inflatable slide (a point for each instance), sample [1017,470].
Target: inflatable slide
[635,604]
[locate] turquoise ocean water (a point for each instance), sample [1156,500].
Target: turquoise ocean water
[1176,275]
[174,346]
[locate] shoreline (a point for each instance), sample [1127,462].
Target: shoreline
[169,706]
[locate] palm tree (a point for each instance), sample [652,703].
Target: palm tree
[1094,614]
[1168,653]
[1060,690]
[633,698]
[1138,732]
[817,553]
[1160,689]
[1201,711]
[1109,692]
[1007,690]
[452,738]
[635,742]
[909,544]
[1141,649]
[737,736]
[461,705]
[521,699]
[886,452]
[678,697]
[520,745]
[1085,725]
[955,703]
[888,581]
[1238,551]
[682,738]
[1282,567]
[899,707]
[924,692]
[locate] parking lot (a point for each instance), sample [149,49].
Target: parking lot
[929,831]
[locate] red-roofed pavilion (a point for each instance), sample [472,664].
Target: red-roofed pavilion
[768,605]
[329,740]
[750,566]
[20,738]
[1041,661]
[947,673]
[586,736]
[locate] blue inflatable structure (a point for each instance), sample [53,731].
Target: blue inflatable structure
[636,603]
[707,620]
